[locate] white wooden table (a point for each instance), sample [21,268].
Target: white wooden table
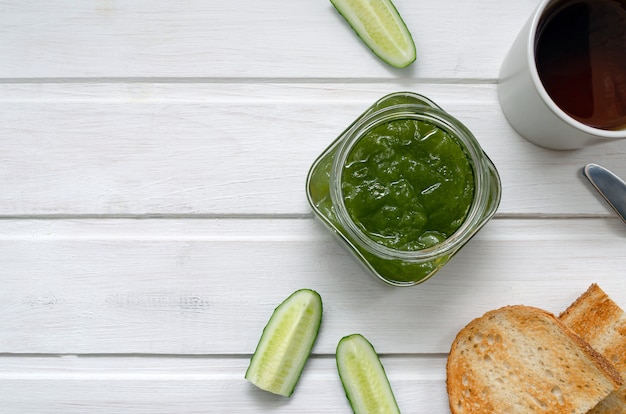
[153,156]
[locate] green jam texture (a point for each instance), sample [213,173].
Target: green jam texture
[408,184]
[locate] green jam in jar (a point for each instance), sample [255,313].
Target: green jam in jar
[405,187]
[408,184]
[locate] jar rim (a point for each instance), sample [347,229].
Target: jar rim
[464,138]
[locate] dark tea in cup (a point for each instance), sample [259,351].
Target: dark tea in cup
[580,53]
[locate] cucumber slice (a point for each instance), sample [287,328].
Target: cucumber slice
[286,343]
[379,25]
[363,377]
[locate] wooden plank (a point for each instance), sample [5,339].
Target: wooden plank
[208,286]
[237,149]
[164,384]
[245,39]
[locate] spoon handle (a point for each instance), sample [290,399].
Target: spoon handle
[610,186]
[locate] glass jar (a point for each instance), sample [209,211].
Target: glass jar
[328,185]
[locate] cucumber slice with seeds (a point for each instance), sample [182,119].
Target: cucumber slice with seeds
[363,377]
[286,343]
[379,25]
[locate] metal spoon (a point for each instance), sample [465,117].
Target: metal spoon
[610,186]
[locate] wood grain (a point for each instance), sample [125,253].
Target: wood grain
[167,384]
[208,286]
[246,39]
[232,149]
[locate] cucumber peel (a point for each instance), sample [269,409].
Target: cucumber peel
[379,25]
[286,343]
[363,377]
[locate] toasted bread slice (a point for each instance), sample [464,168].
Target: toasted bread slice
[521,359]
[602,323]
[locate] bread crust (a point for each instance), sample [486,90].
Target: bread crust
[521,359]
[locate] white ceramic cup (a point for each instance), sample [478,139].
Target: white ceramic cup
[528,107]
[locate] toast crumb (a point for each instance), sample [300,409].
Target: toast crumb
[520,359]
